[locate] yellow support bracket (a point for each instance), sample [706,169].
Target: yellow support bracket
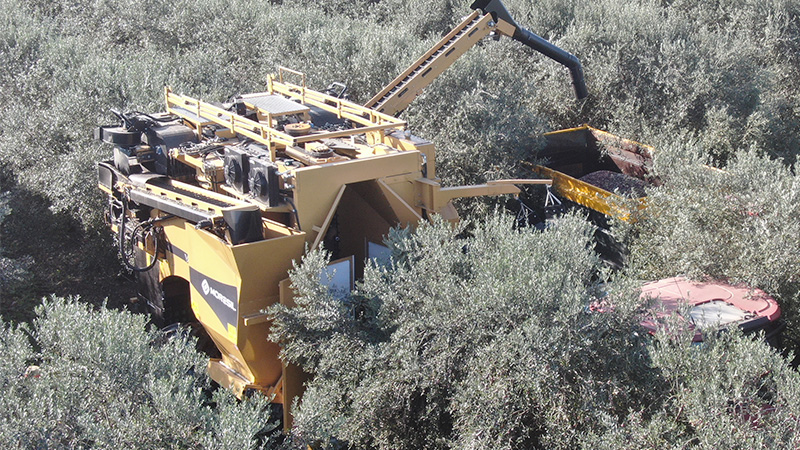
[434,197]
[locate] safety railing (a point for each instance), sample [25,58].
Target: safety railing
[200,112]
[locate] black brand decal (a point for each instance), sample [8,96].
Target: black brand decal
[222,298]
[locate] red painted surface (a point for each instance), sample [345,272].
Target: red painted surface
[723,300]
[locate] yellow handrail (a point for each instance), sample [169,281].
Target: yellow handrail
[371,121]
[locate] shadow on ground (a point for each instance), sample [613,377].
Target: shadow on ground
[63,258]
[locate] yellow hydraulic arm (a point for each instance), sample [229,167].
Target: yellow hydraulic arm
[401,91]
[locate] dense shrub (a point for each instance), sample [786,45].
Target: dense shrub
[480,342]
[740,223]
[731,392]
[101,381]
[701,81]
[491,341]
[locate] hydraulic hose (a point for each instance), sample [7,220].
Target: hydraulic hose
[294,210]
[557,54]
[121,241]
[538,43]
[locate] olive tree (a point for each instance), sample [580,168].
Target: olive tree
[475,336]
[83,378]
[480,336]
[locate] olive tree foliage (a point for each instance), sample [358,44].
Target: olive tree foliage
[701,81]
[83,378]
[484,337]
[720,71]
[478,117]
[732,391]
[738,223]
[483,341]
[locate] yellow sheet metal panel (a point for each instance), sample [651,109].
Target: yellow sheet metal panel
[176,262]
[227,377]
[406,141]
[316,187]
[261,266]
[396,191]
[566,131]
[578,152]
[590,196]
[229,282]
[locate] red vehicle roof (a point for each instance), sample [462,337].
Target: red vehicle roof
[711,304]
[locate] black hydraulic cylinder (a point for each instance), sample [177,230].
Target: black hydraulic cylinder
[538,43]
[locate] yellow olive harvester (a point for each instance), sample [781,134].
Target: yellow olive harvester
[215,202]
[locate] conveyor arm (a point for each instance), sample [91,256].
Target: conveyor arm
[400,92]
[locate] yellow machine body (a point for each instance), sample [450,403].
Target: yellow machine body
[349,185]
[215,203]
